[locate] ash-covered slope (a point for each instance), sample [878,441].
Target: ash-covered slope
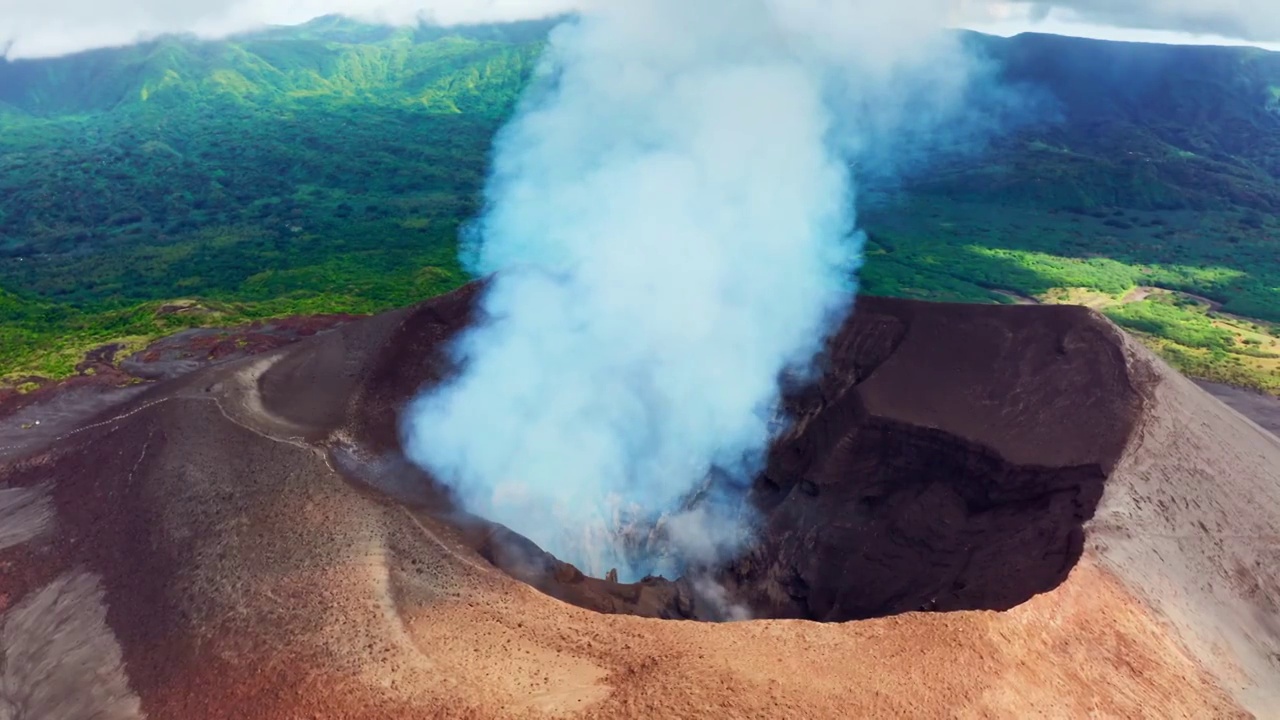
[247,541]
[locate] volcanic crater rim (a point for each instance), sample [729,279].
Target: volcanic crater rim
[941,456]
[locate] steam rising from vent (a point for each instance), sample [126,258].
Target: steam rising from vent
[671,223]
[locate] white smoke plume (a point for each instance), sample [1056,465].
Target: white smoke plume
[671,223]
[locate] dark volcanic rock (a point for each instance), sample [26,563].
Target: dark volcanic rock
[946,460]
[389,381]
[525,561]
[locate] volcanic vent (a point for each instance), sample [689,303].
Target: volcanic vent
[946,459]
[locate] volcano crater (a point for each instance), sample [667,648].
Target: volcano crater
[944,458]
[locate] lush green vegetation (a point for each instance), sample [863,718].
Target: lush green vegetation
[327,168]
[321,169]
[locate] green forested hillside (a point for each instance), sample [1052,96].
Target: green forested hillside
[1147,127]
[322,168]
[327,167]
[475,70]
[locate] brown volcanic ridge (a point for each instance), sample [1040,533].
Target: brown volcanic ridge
[1019,511]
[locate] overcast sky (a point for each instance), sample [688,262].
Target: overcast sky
[1218,22]
[34,28]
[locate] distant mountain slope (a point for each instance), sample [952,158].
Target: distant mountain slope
[473,70]
[1153,127]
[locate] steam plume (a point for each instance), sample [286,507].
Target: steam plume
[671,223]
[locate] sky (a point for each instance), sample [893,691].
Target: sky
[1188,22]
[42,28]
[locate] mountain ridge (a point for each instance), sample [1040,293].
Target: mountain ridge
[324,59]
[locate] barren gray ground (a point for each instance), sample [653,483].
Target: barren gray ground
[1262,409]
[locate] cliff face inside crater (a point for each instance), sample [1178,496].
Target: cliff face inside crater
[947,459]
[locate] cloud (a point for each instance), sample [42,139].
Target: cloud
[1251,20]
[54,27]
